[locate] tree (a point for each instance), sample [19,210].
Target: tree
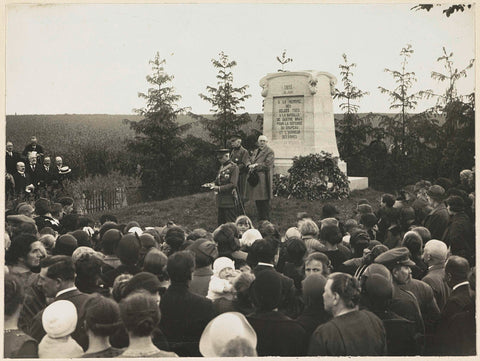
[226,100]
[401,99]
[157,142]
[457,134]
[283,60]
[352,130]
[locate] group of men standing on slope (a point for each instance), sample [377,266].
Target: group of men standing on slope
[243,177]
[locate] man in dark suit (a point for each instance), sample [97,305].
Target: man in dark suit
[277,334]
[351,332]
[57,280]
[11,158]
[456,332]
[437,220]
[434,255]
[241,158]
[34,169]
[22,181]
[184,313]
[262,164]
[263,252]
[33,146]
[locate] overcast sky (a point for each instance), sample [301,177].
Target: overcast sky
[94,58]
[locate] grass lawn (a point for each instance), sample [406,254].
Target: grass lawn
[199,211]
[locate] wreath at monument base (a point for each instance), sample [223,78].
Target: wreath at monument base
[312,177]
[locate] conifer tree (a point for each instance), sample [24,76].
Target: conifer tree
[352,130]
[157,142]
[226,100]
[401,99]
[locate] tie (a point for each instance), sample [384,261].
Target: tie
[10,154]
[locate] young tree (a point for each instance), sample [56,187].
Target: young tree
[352,130]
[226,101]
[457,135]
[283,60]
[157,143]
[401,99]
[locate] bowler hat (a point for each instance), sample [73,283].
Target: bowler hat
[395,257]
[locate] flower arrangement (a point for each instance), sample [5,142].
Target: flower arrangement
[312,177]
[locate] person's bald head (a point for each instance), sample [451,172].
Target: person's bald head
[58,161]
[456,270]
[435,252]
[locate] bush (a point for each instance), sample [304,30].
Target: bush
[313,177]
[85,188]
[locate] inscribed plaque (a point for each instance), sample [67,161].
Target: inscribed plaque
[288,118]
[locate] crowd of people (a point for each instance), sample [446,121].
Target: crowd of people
[394,279]
[32,173]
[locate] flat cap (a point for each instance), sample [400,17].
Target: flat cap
[395,257]
[436,192]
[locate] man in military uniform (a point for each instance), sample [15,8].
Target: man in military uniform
[241,158]
[225,187]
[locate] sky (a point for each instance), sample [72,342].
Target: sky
[93,58]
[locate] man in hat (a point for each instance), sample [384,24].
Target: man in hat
[351,332]
[437,220]
[241,158]
[459,234]
[262,164]
[225,187]
[398,262]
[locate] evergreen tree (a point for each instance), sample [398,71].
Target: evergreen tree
[457,135]
[352,130]
[401,99]
[226,101]
[157,143]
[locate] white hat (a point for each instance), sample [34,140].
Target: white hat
[222,263]
[223,329]
[59,319]
[64,170]
[250,236]
[136,230]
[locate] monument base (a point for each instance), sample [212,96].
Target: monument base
[358,183]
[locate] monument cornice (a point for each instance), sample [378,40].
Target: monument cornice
[312,76]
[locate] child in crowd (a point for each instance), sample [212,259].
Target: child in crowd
[243,224]
[59,321]
[221,283]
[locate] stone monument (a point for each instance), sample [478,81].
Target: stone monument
[298,117]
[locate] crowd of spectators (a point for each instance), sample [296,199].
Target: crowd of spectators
[32,173]
[394,279]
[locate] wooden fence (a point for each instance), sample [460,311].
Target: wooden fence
[98,201]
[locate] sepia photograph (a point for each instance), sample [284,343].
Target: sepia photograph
[239,179]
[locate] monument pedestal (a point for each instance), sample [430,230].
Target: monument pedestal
[298,117]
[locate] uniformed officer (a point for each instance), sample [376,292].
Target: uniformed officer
[241,158]
[225,187]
